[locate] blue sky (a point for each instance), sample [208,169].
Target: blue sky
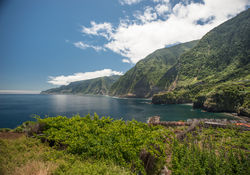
[47,43]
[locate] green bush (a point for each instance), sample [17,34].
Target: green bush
[25,155]
[5,129]
[212,151]
[105,138]
[89,145]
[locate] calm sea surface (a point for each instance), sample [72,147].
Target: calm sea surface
[15,109]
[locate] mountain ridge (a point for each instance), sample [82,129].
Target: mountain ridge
[96,86]
[141,80]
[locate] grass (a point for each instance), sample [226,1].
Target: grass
[24,156]
[28,156]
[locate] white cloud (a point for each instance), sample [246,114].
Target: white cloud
[148,15]
[83,46]
[129,2]
[102,29]
[125,61]
[65,80]
[135,39]
[163,1]
[161,9]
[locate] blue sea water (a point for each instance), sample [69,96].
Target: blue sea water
[15,108]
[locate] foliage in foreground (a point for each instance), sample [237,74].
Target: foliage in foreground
[28,156]
[130,144]
[89,145]
[212,151]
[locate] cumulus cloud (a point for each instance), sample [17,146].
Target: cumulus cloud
[163,24]
[129,2]
[148,15]
[163,7]
[65,80]
[125,61]
[102,29]
[83,46]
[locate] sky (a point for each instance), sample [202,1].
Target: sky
[48,43]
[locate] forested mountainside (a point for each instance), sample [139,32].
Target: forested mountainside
[142,79]
[215,74]
[97,86]
[212,72]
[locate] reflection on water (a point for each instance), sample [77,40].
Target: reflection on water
[15,109]
[59,102]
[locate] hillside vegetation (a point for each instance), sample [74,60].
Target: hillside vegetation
[142,79]
[93,145]
[216,68]
[97,86]
[223,54]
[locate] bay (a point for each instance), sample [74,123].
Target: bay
[17,108]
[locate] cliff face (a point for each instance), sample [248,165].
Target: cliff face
[143,79]
[220,60]
[97,86]
[233,98]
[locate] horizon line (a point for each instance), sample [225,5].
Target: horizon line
[19,92]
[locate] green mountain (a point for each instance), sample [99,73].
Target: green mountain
[216,70]
[97,86]
[142,79]
[213,72]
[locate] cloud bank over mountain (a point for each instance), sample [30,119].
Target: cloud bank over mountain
[65,80]
[162,24]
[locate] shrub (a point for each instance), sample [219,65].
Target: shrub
[211,152]
[105,138]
